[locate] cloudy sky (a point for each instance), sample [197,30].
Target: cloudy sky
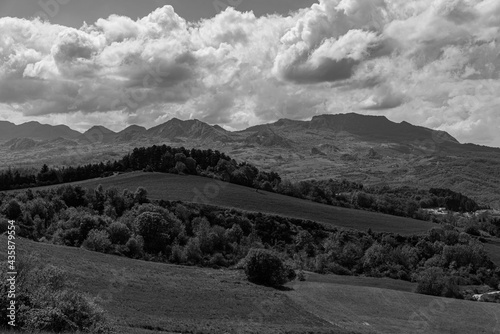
[434,63]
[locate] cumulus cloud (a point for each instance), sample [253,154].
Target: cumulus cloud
[384,97]
[434,63]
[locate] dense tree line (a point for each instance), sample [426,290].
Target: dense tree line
[128,224]
[401,201]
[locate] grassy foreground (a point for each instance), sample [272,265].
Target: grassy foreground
[147,297]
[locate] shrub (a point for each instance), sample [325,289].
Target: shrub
[177,256]
[134,246]
[4,225]
[193,251]
[45,301]
[97,241]
[431,282]
[451,288]
[301,276]
[217,260]
[141,195]
[119,233]
[266,268]
[472,230]
[13,210]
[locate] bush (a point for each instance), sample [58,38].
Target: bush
[431,282]
[119,233]
[217,260]
[97,241]
[301,276]
[134,246]
[177,255]
[193,252]
[472,230]
[13,210]
[266,268]
[45,301]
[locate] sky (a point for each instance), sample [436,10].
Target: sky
[237,63]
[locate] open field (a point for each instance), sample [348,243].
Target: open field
[493,249]
[164,298]
[208,191]
[146,297]
[378,310]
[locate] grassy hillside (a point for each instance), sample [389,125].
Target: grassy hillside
[493,248]
[146,297]
[379,310]
[204,190]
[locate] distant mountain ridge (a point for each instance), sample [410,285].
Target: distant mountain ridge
[370,128]
[35,130]
[193,129]
[369,149]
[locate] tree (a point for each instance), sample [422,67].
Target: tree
[97,241]
[191,165]
[431,282]
[141,195]
[13,210]
[265,267]
[119,233]
[154,229]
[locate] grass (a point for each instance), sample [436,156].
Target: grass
[492,246]
[145,297]
[204,190]
[368,309]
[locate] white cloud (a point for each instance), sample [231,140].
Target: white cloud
[431,62]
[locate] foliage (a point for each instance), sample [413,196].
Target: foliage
[97,241]
[203,235]
[401,201]
[265,267]
[45,301]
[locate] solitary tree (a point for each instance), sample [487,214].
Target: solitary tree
[265,267]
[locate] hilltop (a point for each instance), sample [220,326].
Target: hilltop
[369,149]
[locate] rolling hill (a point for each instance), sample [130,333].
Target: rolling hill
[145,297]
[197,189]
[208,191]
[382,310]
[368,149]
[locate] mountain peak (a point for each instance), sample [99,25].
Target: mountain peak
[99,128]
[133,128]
[35,130]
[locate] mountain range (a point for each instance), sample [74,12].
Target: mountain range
[369,128]
[368,149]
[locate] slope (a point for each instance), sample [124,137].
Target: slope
[208,191]
[141,297]
[144,296]
[379,310]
